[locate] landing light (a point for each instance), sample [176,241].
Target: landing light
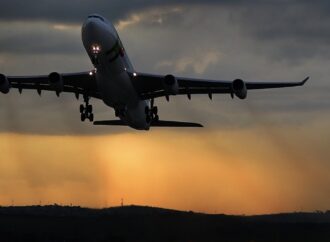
[96,49]
[134,74]
[93,72]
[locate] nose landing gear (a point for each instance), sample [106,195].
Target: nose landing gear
[86,111]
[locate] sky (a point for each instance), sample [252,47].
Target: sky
[266,154]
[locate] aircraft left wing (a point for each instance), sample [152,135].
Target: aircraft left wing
[83,83]
[153,86]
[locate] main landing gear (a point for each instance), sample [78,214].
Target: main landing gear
[152,113]
[86,111]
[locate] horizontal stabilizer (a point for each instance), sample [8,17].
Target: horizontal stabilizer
[160,123]
[110,123]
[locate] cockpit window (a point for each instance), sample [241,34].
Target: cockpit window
[96,16]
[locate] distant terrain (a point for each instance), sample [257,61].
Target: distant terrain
[135,223]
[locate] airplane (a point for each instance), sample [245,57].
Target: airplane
[130,93]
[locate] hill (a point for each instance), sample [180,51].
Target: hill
[136,223]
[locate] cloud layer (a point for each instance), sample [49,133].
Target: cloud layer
[251,40]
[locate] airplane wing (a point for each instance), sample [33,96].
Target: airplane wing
[153,86]
[83,83]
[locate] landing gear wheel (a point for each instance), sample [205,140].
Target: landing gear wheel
[82,108]
[151,112]
[86,110]
[82,117]
[89,108]
[155,110]
[91,117]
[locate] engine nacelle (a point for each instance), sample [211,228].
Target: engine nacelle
[171,85]
[4,84]
[56,82]
[239,88]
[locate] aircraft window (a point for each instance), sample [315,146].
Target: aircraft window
[96,16]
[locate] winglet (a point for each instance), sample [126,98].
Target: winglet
[304,81]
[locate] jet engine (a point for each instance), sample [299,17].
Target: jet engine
[56,82]
[4,84]
[239,88]
[171,85]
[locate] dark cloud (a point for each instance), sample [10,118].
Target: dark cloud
[296,29]
[40,38]
[76,10]
[253,40]
[299,29]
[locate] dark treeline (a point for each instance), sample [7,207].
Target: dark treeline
[132,223]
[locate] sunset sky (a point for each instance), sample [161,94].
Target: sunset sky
[267,154]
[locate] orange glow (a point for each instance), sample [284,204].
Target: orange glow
[235,172]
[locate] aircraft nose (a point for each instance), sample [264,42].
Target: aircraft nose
[92,32]
[91,27]
[99,30]
[98,35]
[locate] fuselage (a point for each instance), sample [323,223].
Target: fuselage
[114,71]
